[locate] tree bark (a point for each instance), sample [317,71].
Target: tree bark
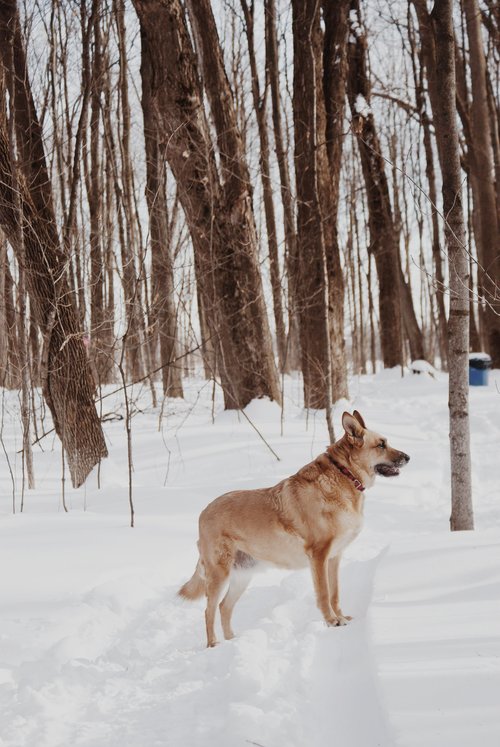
[164,318]
[10,365]
[418,61]
[67,382]
[259,102]
[383,239]
[455,234]
[330,51]
[482,165]
[311,269]
[136,347]
[101,336]
[272,65]
[219,217]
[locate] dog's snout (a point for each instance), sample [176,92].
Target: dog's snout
[404,458]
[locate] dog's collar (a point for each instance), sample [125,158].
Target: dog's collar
[357,483]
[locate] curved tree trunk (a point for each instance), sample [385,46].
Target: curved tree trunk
[68,386]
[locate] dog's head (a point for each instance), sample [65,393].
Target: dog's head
[369,450]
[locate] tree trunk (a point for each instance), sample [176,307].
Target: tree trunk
[220,218]
[412,328]
[272,65]
[136,348]
[383,239]
[458,326]
[436,244]
[101,350]
[311,270]
[331,72]
[482,165]
[27,458]
[418,62]
[164,318]
[67,382]
[272,239]
[10,365]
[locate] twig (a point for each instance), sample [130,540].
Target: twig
[256,430]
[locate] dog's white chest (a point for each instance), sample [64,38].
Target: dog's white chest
[350,526]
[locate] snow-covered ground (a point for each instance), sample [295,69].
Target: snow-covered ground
[97,651]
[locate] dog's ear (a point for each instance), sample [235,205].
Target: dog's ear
[359,418]
[353,429]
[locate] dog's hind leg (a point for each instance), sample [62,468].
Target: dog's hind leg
[240,578]
[215,581]
[217,571]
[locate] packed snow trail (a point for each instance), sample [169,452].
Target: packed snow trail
[284,678]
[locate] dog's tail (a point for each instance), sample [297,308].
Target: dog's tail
[195,587]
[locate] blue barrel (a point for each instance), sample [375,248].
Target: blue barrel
[479,365]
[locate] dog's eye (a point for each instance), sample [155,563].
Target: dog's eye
[381,445]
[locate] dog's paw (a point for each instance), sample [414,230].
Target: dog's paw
[333,622]
[343,619]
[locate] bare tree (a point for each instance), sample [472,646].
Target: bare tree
[441,25]
[67,385]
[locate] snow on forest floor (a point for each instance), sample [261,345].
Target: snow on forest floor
[97,651]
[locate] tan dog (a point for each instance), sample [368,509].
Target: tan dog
[308,518]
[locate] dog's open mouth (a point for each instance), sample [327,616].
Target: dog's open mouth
[387,470]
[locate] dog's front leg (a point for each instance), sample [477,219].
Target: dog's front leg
[333,580]
[318,558]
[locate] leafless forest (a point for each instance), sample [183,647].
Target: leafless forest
[242,189]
